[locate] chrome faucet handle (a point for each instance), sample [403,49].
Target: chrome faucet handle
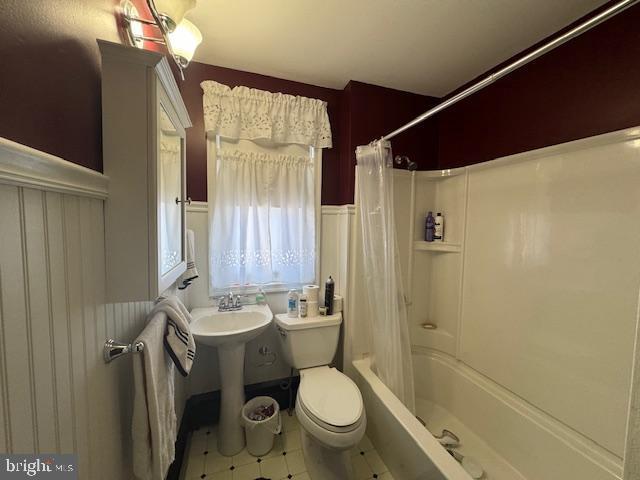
[222,302]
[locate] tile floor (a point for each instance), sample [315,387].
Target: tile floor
[284,461]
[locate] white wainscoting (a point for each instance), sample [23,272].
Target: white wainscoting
[56,393]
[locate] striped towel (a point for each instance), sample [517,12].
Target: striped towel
[178,340]
[191,273]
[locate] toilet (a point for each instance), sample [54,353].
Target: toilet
[329,405]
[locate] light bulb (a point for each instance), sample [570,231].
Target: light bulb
[184,41]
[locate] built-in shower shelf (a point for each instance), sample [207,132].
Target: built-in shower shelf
[441,247]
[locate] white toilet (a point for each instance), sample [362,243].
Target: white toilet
[329,405]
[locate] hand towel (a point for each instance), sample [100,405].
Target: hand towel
[191,273]
[178,340]
[154,420]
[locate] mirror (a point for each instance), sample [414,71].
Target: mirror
[170,146]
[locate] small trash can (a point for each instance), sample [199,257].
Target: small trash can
[261,419]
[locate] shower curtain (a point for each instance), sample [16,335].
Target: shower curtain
[389,347]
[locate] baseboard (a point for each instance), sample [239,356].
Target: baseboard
[204,409]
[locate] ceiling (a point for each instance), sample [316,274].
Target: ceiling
[424,46]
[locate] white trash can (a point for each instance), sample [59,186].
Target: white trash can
[260,433]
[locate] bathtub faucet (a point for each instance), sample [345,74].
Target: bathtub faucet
[447,439]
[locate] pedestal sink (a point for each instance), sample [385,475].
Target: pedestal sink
[229,332]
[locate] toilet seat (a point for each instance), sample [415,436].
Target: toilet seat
[330,399]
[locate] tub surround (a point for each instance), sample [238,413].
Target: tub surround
[519,339]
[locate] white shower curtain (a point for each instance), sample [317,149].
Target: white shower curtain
[389,347]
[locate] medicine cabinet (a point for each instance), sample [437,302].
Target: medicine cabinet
[143,133]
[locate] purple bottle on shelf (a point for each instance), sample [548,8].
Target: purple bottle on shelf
[430,226]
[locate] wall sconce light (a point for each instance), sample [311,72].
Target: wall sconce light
[180,36]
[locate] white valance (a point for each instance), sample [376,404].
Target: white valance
[251,114]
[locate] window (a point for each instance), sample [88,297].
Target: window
[264,215]
[263,186]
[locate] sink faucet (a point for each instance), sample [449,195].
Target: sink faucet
[229,303]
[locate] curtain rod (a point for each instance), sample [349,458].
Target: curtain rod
[574,32]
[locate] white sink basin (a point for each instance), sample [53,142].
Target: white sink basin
[215,328]
[229,332]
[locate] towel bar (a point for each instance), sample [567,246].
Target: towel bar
[114,349]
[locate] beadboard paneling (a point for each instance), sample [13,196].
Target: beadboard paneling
[56,393]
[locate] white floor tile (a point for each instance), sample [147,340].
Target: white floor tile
[226,475]
[217,463]
[198,443]
[289,423]
[195,466]
[278,447]
[246,472]
[291,441]
[295,462]
[302,476]
[275,467]
[361,469]
[365,444]
[375,462]
[243,458]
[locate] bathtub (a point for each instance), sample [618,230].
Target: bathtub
[406,447]
[509,438]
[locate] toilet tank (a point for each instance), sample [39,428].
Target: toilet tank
[310,341]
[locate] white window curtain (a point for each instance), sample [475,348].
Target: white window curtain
[264,167]
[263,224]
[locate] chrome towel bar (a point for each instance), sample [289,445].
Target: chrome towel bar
[114,349]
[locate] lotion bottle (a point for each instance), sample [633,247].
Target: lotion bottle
[292,304]
[438,233]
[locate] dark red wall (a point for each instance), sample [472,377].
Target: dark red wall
[588,86]
[196,145]
[50,75]
[369,112]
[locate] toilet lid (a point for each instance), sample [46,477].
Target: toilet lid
[330,396]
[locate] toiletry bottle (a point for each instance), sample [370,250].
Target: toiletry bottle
[329,288]
[303,306]
[429,227]
[438,233]
[292,304]
[261,297]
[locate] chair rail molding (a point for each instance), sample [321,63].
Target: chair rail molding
[27,167]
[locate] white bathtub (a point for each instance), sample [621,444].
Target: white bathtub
[406,447]
[510,439]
